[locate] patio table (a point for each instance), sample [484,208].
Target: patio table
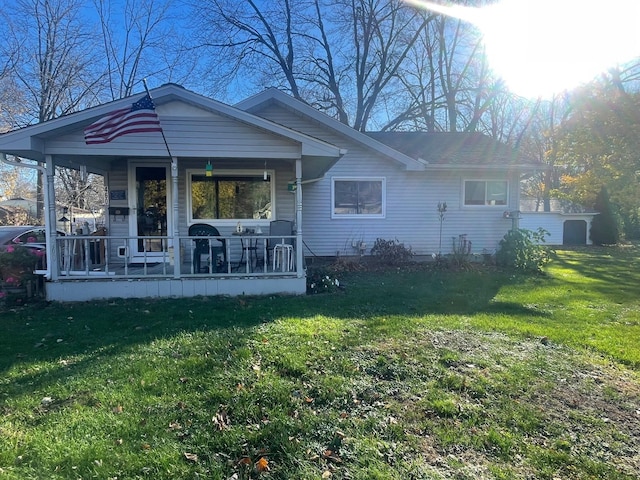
[249,249]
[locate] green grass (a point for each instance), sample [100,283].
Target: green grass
[403,375]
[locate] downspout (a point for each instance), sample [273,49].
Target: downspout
[177,254]
[49,199]
[299,256]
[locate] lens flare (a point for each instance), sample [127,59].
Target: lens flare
[542,47]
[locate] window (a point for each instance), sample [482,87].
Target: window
[485,192]
[358,197]
[230,196]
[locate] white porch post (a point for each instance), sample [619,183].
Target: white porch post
[51,232]
[299,255]
[177,254]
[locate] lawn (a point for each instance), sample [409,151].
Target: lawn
[400,375]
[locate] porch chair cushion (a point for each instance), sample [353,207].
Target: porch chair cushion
[205,246]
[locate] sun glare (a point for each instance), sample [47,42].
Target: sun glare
[542,47]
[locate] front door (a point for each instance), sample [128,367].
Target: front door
[150,222]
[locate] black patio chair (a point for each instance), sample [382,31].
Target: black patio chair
[205,246]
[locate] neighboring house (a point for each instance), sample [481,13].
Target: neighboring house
[267,158]
[68,219]
[566,223]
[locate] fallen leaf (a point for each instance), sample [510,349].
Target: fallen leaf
[184,379]
[191,457]
[221,420]
[326,474]
[262,465]
[244,461]
[331,456]
[146,446]
[175,426]
[117,409]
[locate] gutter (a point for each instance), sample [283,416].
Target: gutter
[47,233]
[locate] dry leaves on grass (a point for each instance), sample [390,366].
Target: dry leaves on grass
[221,420]
[262,465]
[191,457]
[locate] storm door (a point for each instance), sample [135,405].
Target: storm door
[150,213]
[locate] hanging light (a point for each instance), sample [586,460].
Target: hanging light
[64,218]
[208,170]
[264,174]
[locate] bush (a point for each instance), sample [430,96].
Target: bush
[321,281]
[461,251]
[604,227]
[520,249]
[391,252]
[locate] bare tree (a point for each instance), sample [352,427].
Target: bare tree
[78,189]
[55,68]
[342,56]
[13,183]
[138,41]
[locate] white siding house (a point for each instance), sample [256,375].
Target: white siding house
[268,158]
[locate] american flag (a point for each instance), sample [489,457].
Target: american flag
[140,117]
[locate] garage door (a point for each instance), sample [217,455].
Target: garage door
[574,232]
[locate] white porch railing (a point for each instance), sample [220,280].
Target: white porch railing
[109,256]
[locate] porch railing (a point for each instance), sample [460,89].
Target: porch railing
[112,256]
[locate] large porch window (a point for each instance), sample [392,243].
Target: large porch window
[230,195]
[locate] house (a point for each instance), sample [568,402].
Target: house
[70,219]
[240,167]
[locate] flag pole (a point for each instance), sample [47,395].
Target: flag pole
[144,82]
[175,237]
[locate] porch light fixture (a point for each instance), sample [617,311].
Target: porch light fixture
[208,170]
[264,174]
[64,218]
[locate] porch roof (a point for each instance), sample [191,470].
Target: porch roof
[63,137]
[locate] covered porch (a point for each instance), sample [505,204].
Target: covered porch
[213,165]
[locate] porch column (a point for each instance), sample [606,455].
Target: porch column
[299,255]
[177,254]
[51,232]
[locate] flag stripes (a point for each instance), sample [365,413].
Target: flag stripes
[141,117]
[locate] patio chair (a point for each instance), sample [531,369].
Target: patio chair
[206,247]
[282,246]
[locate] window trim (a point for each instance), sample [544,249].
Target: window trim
[223,173]
[485,205]
[335,215]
